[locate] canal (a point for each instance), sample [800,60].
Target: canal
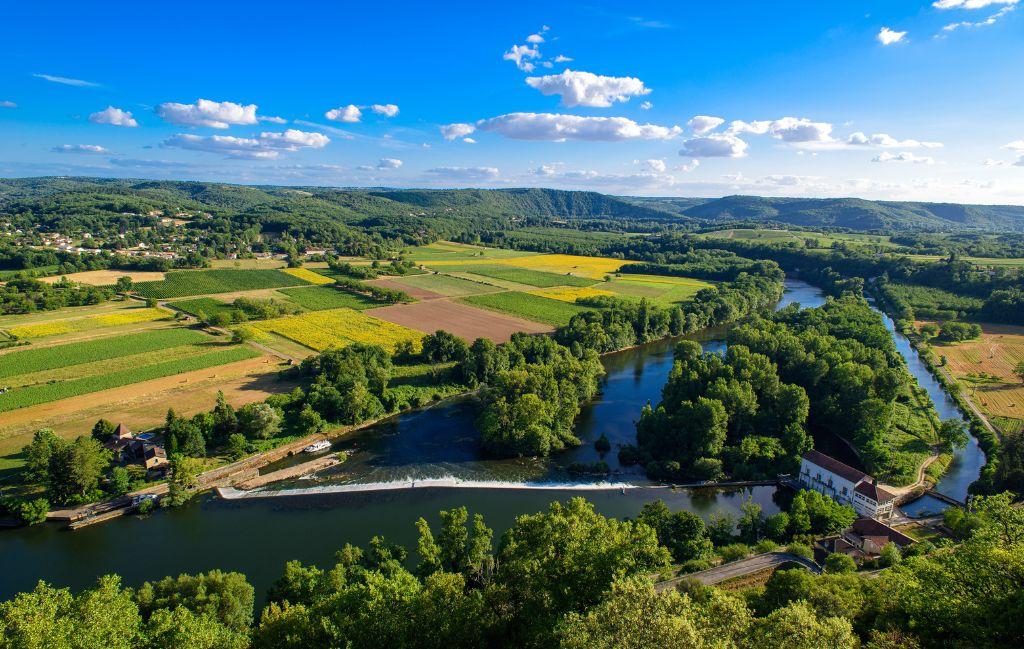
[257,536]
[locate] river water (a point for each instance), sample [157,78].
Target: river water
[256,536]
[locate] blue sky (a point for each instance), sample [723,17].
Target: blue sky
[897,99]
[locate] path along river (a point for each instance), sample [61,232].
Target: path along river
[256,536]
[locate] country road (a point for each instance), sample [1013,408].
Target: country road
[740,568]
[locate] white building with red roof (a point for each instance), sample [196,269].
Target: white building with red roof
[845,484]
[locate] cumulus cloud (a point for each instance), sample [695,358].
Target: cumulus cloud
[886,141]
[554,127]
[970,4]
[272,120]
[578,88]
[653,165]
[465,173]
[703,124]
[79,148]
[535,39]
[66,81]
[349,114]
[715,145]
[520,55]
[457,130]
[904,156]
[211,114]
[114,117]
[265,146]
[1016,145]
[561,58]
[787,129]
[469,140]
[689,166]
[387,110]
[889,37]
[389,163]
[8,104]
[646,105]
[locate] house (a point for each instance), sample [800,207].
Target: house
[863,540]
[846,485]
[129,448]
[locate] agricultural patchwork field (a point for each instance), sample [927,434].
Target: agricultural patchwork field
[319,298]
[186,283]
[525,305]
[570,294]
[658,288]
[106,277]
[464,320]
[445,285]
[308,276]
[537,278]
[59,326]
[453,252]
[321,330]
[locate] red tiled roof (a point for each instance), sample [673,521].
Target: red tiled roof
[865,527]
[874,492]
[835,466]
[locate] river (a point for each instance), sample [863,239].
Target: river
[257,536]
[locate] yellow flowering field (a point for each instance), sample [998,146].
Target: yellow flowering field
[337,328]
[592,267]
[570,293]
[68,325]
[308,275]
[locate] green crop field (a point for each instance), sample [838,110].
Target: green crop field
[320,298]
[46,392]
[537,278]
[530,307]
[205,305]
[48,358]
[661,289]
[186,283]
[445,285]
[447,251]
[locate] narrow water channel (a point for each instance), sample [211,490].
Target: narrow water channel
[258,536]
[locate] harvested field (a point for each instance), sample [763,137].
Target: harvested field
[453,252]
[413,291]
[460,319]
[106,277]
[527,306]
[537,278]
[570,294]
[985,368]
[444,285]
[60,326]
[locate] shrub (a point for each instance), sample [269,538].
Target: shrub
[734,552]
[836,563]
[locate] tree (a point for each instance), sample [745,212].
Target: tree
[33,512]
[776,526]
[237,446]
[124,284]
[751,522]
[797,626]
[891,555]
[103,430]
[953,434]
[38,453]
[184,479]
[242,334]
[225,596]
[75,470]
[258,420]
[838,563]
[682,532]
[441,347]
[310,421]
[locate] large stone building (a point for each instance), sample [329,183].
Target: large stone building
[846,485]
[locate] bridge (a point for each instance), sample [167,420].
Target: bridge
[740,568]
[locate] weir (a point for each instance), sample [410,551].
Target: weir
[230,493]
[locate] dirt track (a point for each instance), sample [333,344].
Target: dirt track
[460,319]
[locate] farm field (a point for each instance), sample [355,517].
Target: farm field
[133,314]
[248,263]
[318,298]
[591,267]
[106,277]
[308,276]
[569,293]
[985,366]
[445,285]
[526,276]
[458,318]
[454,252]
[658,288]
[208,306]
[320,330]
[1013,262]
[525,305]
[823,240]
[187,283]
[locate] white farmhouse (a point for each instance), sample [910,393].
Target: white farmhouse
[846,485]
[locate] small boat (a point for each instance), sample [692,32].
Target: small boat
[316,447]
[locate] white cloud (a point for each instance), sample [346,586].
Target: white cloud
[389,163]
[715,145]
[653,165]
[469,140]
[904,156]
[889,37]
[349,114]
[272,120]
[465,173]
[703,124]
[79,148]
[886,141]
[970,4]
[690,166]
[66,81]
[543,170]
[455,131]
[265,146]
[989,162]
[114,117]
[561,58]
[578,88]
[535,39]
[1016,145]
[519,54]
[387,110]
[8,104]
[646,105]
[787,129]
[212,114]
[554,127]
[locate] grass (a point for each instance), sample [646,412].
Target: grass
[444,285]
[46,358]
[453,252]
[46,392]
[308,276]
[186,283]
[208,306]
[89,323]
[1009,425]
[537,278]
[530,307]
[984,367]
[570,294]
[321,330]
[319,298]
[661,289]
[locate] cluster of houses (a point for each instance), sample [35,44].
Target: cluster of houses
[874,505]
[133,448]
